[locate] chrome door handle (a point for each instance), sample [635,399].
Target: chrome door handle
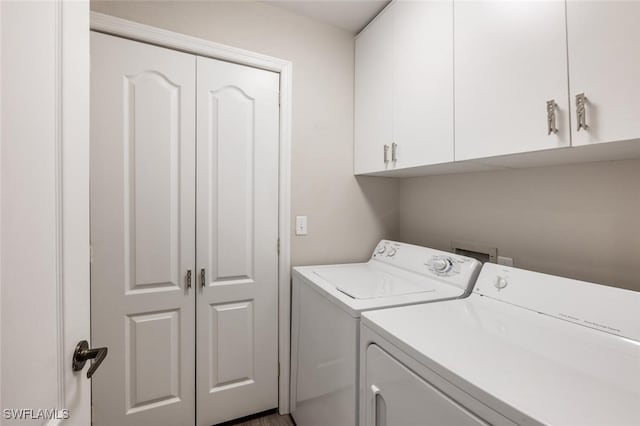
[188,279]
[82,354]
[551,117]
[386,153]
[581,112]
[202,278]
[394,152]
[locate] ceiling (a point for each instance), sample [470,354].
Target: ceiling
[350,15]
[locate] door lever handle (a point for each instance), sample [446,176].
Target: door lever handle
[82,354]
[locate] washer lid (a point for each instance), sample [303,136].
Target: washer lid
[363,281]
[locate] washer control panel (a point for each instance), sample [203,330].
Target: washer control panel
[458,270]
[386,249]
[444,265]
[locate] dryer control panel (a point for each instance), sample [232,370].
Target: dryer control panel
[457,270]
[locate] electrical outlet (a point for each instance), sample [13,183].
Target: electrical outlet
[506,261]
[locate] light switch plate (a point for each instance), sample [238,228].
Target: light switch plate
[301,225]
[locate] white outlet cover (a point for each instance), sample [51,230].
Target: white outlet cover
[506,261]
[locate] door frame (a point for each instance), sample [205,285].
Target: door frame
[145,33]
[66,120]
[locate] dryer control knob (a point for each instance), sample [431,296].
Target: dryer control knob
[381,249]
[501,283]
[391,252]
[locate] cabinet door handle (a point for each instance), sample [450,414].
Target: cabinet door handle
[394,152]
[188,279]
[202,278]
[581,112]
[551,117]
[386,153]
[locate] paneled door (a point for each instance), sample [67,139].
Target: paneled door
[237,234]
[142,232]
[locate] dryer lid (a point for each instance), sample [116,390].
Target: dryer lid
[364,281]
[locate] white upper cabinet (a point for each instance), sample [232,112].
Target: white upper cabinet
[510,60]
[462,85]
[404,88]
[604,65]
[373,95]
[423,83]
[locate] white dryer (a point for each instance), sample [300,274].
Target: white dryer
[525,348]
[327,303]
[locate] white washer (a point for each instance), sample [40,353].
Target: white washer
[524,348]
[327,302]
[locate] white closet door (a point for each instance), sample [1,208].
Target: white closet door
[604,64]
[510,59]
[142,232]
[237,232]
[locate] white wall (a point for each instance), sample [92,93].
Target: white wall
[579,221]
[346,215]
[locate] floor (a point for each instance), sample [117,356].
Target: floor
[265,419]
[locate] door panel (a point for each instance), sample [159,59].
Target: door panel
[152,225]
[510,59]
[153,336]
[142,231]
[237,226]
[604,64]
[232,340]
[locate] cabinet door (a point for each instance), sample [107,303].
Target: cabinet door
[373,95]
[510,59]
[604,64]
[423,82]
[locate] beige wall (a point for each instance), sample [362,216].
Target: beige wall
[580,221]
[346,215]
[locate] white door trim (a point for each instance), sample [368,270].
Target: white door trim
[145,33]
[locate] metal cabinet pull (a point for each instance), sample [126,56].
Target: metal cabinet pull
[394,152]
[188,280]
[581,111]
[202,278]
[551,117]
[386,153]
[82,354]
